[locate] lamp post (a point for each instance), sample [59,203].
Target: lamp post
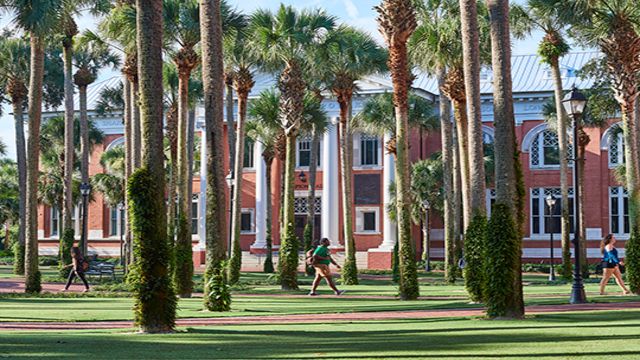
[85,190]
[426,255]
[574,104]
[551,203]
[121,213]
[231,180]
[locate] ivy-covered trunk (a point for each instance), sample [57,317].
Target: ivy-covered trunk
[311,198]
[32,273]
[460,116]
[457,201]
[268,262]
[155,301]
[584,261]
[69,30]
[216,291]
[128,169]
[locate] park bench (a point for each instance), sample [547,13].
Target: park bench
[100,268]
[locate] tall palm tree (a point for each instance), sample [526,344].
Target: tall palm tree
[14,65]
[155,304]
[217,296]
[356,55]
[428,39]
[397,22]
[612,26]
[240,60]
[284,39]
[504,238]
[39,19]
[540,15]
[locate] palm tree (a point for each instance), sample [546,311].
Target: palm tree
[9,197]
[240,60]
[397,22]
[14,65]
[355,56]
[284,40]
[264,128]
[506,226]
[39,19]
[540,15]
[155,304]
[612,27]
[216,294]
[111,183]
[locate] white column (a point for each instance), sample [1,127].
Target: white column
[261,198]
[330,189]
[389,237]
[202,203]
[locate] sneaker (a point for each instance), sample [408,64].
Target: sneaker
[313,294]
[341,292]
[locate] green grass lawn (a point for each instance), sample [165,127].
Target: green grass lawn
[596,335]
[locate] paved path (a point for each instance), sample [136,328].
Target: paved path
[321,318]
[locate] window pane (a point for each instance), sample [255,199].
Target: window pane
[615,225]
[551,155]
[245,222]
[614,206]
[535,209]
[248,153]
[536,225]
[369,221]
[626,224]
[303,159]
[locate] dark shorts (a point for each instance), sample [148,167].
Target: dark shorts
[608,265]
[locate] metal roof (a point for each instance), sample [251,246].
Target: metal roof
[94,90]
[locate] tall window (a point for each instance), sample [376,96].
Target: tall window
[55,220]
[540,216]
[369,149]
[117,224]
[248,152]
[545,150]
[304,151]
[619,210]
[616,150]
[194,217]
[55,223]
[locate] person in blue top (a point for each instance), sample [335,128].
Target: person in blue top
[610,263]
[323,255]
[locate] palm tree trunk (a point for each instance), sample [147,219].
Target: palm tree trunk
[349,271]
[445,133]
[231,127]
[236,251]
[457,200]
[84,148]
[408,286]
[288,264]
[311,197]
[190,148]
[128,168]
[21,156]
[584,261]
[564,169]
[216,297]
[268,262]
[460,116]
[471,61]
[32,274]
[69,150]
[183,274]
[136,126]
[506,243]
[155,304]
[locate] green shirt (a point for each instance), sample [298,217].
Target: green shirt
[324,252]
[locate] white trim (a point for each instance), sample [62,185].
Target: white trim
[252,212]
[531,135]
[116,142]
[359,212]
[489,131]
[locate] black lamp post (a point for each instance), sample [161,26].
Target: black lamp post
[551,203]
[426,206]
[85,190]
[574,104]
[121,213]
[231,180]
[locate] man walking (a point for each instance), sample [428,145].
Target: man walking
[323,255]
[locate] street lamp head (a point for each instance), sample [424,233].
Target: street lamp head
[574,103]
[303,177]
[551,201]
[230,179]
[85,189]
[121,206]
[426,205]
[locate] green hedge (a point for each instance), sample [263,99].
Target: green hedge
[475,257]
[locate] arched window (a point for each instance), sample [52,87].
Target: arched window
[543,147]
[613,142]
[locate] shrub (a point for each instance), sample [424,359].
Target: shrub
[474,256]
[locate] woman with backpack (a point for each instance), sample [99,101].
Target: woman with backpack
[79,265]
[321,260]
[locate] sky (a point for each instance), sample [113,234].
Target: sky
[358,13]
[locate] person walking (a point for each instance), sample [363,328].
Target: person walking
[610,263]
[78,269]
[323,255]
